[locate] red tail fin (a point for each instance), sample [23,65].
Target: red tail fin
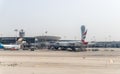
[83,34]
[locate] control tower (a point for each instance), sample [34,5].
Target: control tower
[21,33]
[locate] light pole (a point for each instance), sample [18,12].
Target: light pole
[46,39]
[110,41]
[16,30]
[46,35]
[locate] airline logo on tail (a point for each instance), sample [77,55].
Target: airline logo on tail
[83,34]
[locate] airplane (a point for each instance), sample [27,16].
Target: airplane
[73,44]
[12,46]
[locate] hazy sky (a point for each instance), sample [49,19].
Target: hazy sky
[61,18]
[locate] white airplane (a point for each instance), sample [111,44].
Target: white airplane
[12,46]
[73,44]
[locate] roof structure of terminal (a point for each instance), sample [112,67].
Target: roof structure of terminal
[48,38]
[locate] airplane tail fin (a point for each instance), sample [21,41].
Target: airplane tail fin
[83,34]
[19,41]
[1,46]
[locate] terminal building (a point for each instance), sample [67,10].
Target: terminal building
[47,38]
[12,40]
[29,40]
[104,44]
[38,39]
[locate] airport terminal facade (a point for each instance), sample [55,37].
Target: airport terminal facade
[29,40]
[12,40]
[38,39]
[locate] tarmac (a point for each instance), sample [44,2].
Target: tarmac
[105,61]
